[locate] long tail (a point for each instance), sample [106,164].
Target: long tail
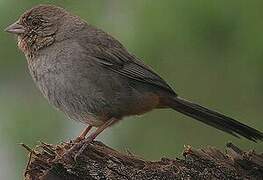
[215,119]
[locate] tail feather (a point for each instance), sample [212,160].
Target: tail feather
[215,119]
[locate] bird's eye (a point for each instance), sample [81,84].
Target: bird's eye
[35,22]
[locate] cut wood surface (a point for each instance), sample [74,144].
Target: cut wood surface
[98,161]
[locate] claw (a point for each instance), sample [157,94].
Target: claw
[84,144]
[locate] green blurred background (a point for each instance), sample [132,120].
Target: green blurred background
[210,51]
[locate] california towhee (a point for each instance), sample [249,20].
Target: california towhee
[92,78]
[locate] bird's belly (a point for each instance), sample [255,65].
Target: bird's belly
[74,104]
[93,100]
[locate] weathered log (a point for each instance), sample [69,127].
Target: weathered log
[46,162]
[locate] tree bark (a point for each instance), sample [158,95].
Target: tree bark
[46,162]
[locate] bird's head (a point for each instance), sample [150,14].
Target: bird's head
[40,26]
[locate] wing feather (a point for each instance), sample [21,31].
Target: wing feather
[112,55]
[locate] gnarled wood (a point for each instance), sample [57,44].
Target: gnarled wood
[101,162]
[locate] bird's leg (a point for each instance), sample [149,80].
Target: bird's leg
[83,134]
[92,136]
[82,145]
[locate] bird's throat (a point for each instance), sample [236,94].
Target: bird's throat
[22,45]
[30,45]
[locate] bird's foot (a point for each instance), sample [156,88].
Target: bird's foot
[83,145]
[80,144]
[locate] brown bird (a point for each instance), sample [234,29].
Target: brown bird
[91,77]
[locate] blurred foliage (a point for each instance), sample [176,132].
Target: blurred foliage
[209,51]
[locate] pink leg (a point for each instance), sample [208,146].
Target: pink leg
[93,135]
[83,134]
[99,130]
[85,142]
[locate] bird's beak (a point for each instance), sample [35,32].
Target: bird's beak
[15,28]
